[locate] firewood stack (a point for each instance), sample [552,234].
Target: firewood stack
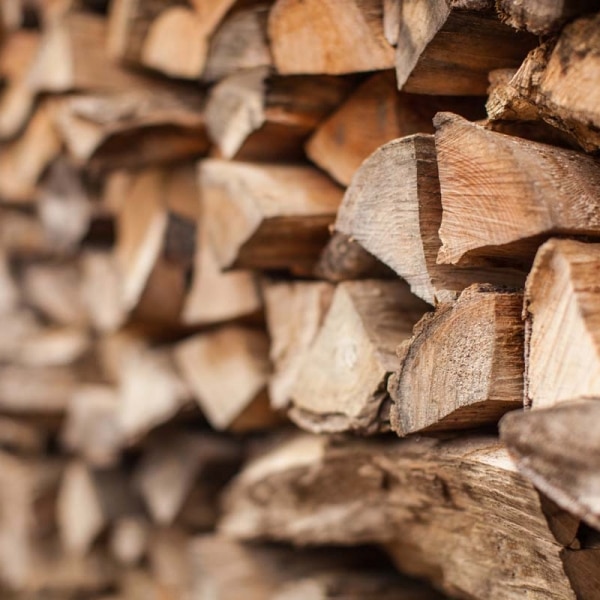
[271,274]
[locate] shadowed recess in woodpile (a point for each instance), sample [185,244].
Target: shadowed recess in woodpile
[299,299]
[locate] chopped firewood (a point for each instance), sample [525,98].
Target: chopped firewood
[171,466]
[514,194]
[254,116]
[52,346]
[169,561]
[228,371]
[418,497]
[23,160]
[542,16]
[557,450]
[215,296]
[22,235]
[463,367]
[224,567]
[267,216]
[393,209]
[463,38]
[91,427]
[295,312]
[373,115]
[100,128]
[240,43]
[344,259]
[557,84]
[341,384]
[312,36]
[562,305]
[129,539]
[211,12]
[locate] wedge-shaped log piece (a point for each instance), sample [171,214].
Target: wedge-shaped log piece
[295,312]
[267,216]
[562,310]
[240,43]
[254,116]
[557,449]
[393,209]
[418,496]
[542,16]
[557,83]
[373,115]
[312,36]
[463,366]
[449,46]
[228,371]
[342,382]
[223,567]
[513,194]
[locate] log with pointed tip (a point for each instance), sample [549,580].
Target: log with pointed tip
[393,209]
[502,196]
[562,312]
[448,47]
[342,382]
[267,216]
[463,367]
[556,448]
[313,36]
[418,497]
[558,83]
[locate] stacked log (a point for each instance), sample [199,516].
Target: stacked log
[299,299]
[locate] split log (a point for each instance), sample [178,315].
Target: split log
[22,235]
[172,465]
[129,540]
[514,194]
[463,367]
[557,84]
[240,43]
[417,496]
[101,129]
[228,372]
[23,160]
[344,259]
[254,116]
[542,16]
[342,382]
[291,338]
[562,308]
[313,37]
[224,567]
[393,209]
[373,115]
[556,449]
[462,38]
[267,216]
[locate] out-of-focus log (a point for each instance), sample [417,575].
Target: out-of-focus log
[342,382]
[463,366]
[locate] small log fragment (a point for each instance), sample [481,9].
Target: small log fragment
[542,16]
[557,84]
[170,468]
[557,450]
[562,308]
[514,194]
[267,216]
[393,209]
[373,115]
[224,567]
[227,371]
[256,116]
[341,384]
[129,540]
[418,497]
[461,37]
[463,367]
[295,312]
[313,37]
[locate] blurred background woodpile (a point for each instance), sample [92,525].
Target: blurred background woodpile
[271,273]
